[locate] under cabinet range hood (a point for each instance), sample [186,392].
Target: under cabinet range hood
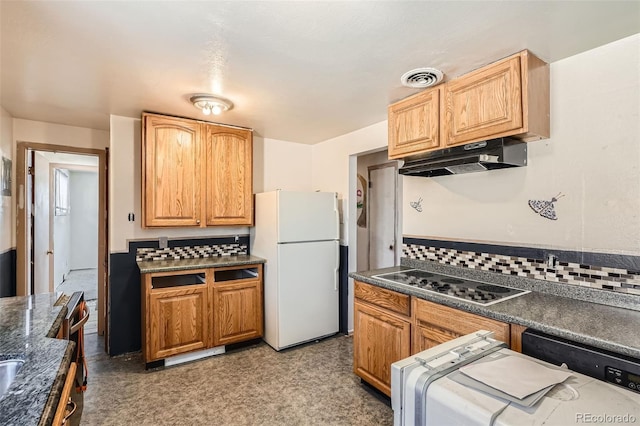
[473,157]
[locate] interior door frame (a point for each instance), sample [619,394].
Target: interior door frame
[21,218]
[394,165]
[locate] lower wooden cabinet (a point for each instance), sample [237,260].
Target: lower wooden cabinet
[238,312]
[435,324]
[179,321]
[380,336]
[190,310]
[390,326]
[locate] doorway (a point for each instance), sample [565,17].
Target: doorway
[377,219]
[74,228]
[61,225]
[383,215]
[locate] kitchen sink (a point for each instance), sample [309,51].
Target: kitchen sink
[8,370]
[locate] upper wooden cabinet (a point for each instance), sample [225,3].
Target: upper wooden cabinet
[229,176]
[414,124]
[509,97]
[171,167]
[195,173]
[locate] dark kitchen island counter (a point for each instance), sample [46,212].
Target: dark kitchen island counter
[28,326]
[590,316]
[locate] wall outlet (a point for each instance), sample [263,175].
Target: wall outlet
[236,238]
[163,242]
[552,260]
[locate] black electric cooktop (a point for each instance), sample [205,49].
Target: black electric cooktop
[456,287]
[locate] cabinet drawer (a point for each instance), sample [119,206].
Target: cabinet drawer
[381,297]
[456,321]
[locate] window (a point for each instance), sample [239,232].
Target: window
[62,192]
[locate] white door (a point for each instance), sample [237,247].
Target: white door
[382,216]
[42,252]
[307,216]
[307,292]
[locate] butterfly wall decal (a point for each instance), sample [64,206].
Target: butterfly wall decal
[416,204]
[545,208]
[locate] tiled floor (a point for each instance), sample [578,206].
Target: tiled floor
[309,385]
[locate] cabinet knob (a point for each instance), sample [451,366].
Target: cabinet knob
[198,221]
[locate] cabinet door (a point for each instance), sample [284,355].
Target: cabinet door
[179,321]
[229,177]
[379,339]
[426,336]
[484,103]
[171,166]
[414,124]
[237,312]
[435,324]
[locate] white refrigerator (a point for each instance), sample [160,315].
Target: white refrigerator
[297,233]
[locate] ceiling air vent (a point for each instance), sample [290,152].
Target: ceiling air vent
[421,77]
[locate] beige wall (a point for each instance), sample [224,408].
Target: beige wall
[593,157]
[334,168]
[7,208]
[280,165]
[58,134]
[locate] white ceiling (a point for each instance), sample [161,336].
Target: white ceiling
[296,71]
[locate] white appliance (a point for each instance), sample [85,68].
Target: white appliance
[297,233]
[429,389]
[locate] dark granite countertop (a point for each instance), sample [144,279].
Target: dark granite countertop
[590,316]
[28,326]
[168,265]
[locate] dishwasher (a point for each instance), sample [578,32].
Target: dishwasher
[433,388]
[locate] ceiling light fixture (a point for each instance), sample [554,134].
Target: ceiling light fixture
[210,104]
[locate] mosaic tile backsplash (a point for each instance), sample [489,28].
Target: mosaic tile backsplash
[613,279]
[188,252]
